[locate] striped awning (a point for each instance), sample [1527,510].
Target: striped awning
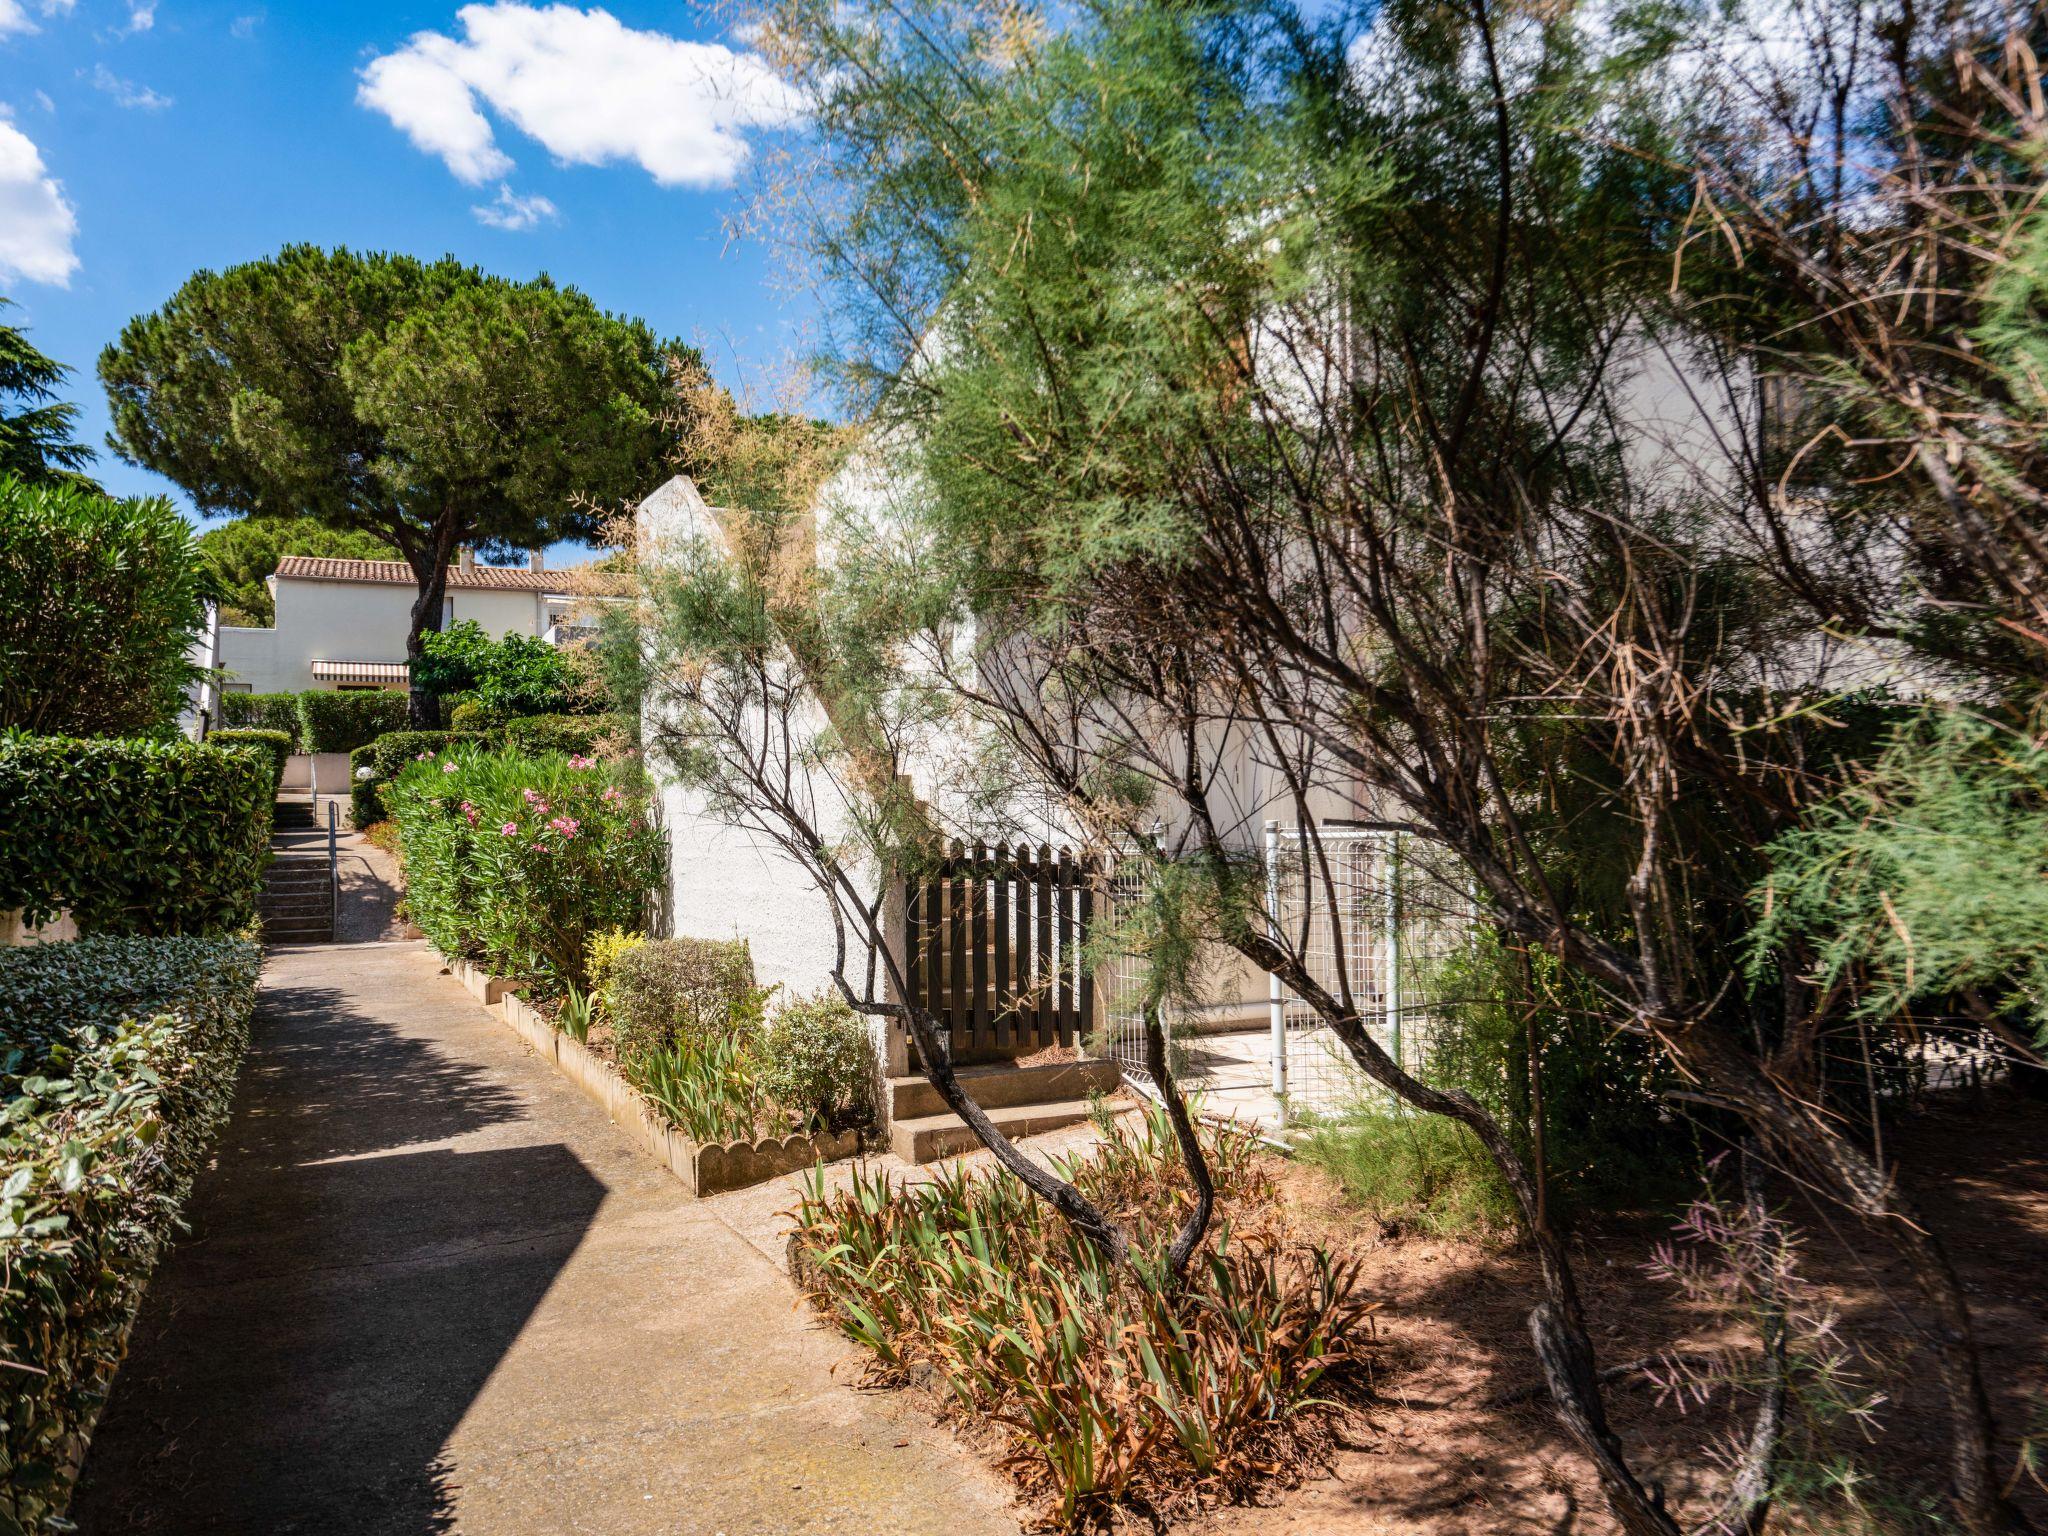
[360,671]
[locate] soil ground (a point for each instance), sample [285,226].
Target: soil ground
[1441,1456]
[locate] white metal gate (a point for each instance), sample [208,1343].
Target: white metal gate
[1373,919]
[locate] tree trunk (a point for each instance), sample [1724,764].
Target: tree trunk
[430,571]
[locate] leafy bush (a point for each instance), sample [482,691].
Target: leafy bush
[261,712]
[1112,1384]
[395,751]
[667,992]
[365,804]
[582,734]
[601,959]
[133,836]
[517,861]
[509,676]
[817,1062]
[99,603]
[119,1064]
[342,720]
[468,715]
[275,746]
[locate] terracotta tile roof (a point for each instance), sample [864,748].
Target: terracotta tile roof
[502,578]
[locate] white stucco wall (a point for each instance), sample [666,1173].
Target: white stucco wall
[353,621]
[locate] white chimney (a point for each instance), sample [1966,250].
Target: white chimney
[468,560]
[536,560]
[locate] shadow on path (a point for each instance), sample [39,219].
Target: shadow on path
[303,1356]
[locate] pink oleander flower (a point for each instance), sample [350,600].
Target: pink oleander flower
[611,795]
[578,760]
[423,757]
[567,826]
[469,813]
[448,768]
[540,847]
[510,829]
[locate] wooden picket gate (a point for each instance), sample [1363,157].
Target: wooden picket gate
[995,941]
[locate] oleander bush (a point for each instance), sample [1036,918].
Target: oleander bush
[515,862]
[99,602]
[1113,1384]
[393,752]
[276,747]
[261,712]
[149,837]
[118,1064]
[341,720]
[818,1062]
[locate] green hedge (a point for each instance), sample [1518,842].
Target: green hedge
[261,712]
[579,734]
[276,744]
[336,721]
[365,804]
[133,836]
[120,1060]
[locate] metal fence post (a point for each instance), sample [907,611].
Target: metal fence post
[1393,980]
[1275,1009]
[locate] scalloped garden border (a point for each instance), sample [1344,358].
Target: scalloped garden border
[705,1168]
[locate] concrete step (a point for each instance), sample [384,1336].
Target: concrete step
[999,1085]
[931,1137]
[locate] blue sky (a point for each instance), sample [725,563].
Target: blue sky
[603,146]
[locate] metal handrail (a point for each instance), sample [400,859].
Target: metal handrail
[333,873]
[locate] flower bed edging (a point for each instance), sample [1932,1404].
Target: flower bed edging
[705,1168]
[479,984]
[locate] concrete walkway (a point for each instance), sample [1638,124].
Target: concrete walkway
[429,1287]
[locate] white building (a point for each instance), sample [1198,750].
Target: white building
[343,623]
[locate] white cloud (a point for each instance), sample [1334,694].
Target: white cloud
[589,88]
[141,15]
[245,26]
[36,223]
[127,93]
[14,14]
[511,211]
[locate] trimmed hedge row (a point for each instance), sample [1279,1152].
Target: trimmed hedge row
[320,719]
[133,836]
[276,744]
[261,712]
[342,721]
[120,1062]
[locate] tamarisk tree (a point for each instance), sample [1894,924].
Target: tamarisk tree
[1264,391]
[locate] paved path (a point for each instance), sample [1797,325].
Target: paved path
[429,1287]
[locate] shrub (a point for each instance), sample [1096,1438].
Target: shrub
[365,804]
[275,746]
[667,992]
[395,751]
[133,836]
[583,734]
[709,1086]
[1111,1384]
[261,712]
[511,675]
[120,1062]
[468,715]
[342,720]
[99,602]
[517,861]
[1412,1169]
[601,959]
[818,1063]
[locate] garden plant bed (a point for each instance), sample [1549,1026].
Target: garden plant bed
[705,1168]
[1113,1397]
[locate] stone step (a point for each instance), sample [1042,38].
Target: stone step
[999,1085]
[931,1137]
